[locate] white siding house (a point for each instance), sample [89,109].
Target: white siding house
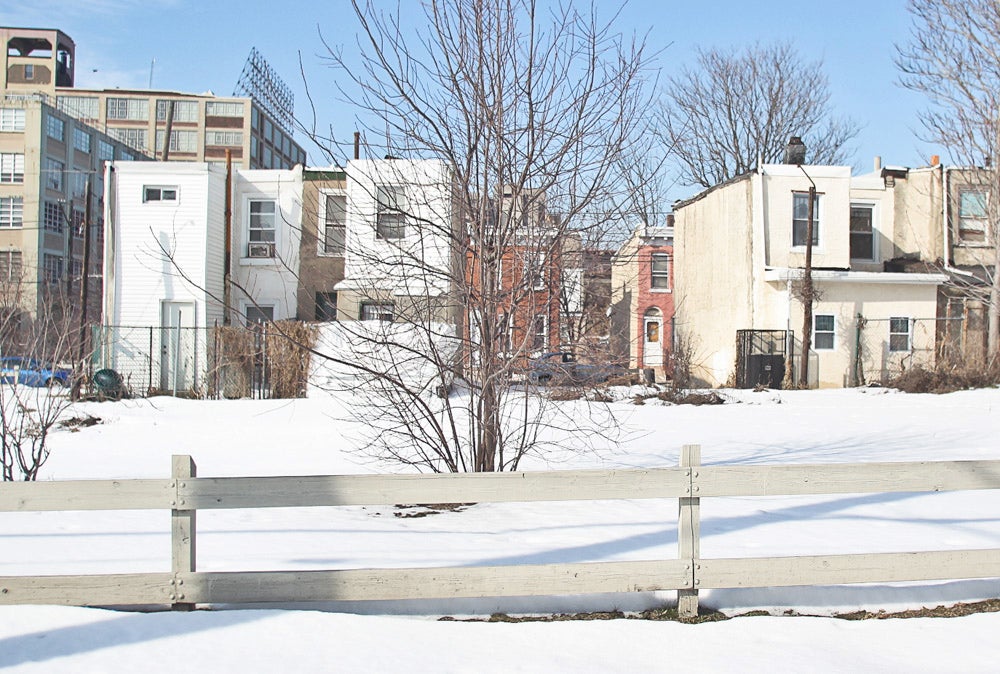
[400,235]
[164,261]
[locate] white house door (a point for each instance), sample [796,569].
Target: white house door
[652,344]
[178,346]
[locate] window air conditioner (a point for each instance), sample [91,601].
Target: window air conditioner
[260,250]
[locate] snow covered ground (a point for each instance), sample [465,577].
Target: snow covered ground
[314,436]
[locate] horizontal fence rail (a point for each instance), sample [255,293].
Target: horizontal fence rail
[185,493]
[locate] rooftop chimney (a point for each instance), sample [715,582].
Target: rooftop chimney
[878,164]
[795,151]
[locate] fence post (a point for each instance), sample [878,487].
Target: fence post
[688,526]
[182,532]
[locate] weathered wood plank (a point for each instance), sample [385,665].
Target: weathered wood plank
[344,490]
[920,476]
[85,495]
[689,530]
[183,526]
[395,584]
[97,590]
[846,569]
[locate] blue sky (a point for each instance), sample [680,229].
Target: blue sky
[201,45]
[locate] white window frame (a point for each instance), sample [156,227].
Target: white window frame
[257,231]
[539,332]
[390,212]
[661,274]
[224,109]
[261,310]
[873,233]
[11,212]
[12,168]
[184,111]
[817,203]
[134,138]
[832,332]
[895,332]
[324,225]
[11,119]
[11,265]
[80,107]
[224,138]
[180,140]
[160,194]
[134,109]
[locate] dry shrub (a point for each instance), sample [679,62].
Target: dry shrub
[287,346]
[681,397]
[947,377]
[236,350]
[565,393]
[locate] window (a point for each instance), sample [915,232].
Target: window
[972,205]
[81,107]
[29,71]
[257,314]
[159,193]
[77,223]
[800,219]
[11,211]
[11,119]
[81,139]
[862,232]
[660,272]
[373,311]
[11,265]
[52,217]
[334,224]
[52,268]
[180,141]
[573,290]
[134,138]
[54,171]
[79,183]
[184,111]
[11,167]
[899,334]
[823,332]
[105,150]
[128,108]
[326,306]
[55,128]
[390,220]
[540,332]
[224,138]
[220,109]
[261,228]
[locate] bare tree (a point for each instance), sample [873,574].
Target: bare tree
[734,110]
[527,109]
[953,57]
[32,398]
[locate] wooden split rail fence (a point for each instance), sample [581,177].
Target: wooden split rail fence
[184,494]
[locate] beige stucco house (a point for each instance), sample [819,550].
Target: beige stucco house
[740,253]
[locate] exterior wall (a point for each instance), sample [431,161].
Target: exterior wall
[917,232]
[418,266]
[319,271]
[833,184]
[269,281]
[262,145]
[44,48]
[66,192]
[877,302]
[714,247]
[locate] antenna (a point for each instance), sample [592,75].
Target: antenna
[261,82]
[152,64]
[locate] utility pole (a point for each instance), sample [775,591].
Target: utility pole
[84,295]
[808,292]
[228,258]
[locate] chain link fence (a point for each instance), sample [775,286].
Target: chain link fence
[259,361]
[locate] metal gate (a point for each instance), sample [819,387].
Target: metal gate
[760,358]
